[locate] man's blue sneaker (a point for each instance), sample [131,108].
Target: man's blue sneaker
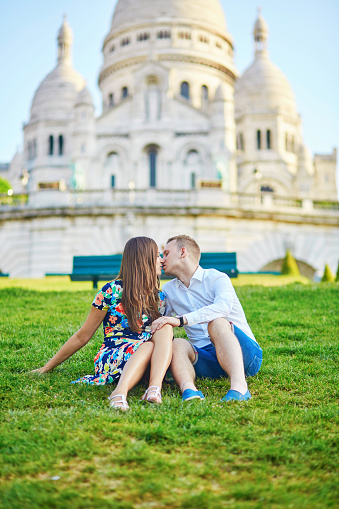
[236,396]
[189,394]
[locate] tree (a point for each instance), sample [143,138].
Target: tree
[328,276]
[337,275]
[4,185]
[290,266]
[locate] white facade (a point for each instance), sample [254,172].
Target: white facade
[180,132]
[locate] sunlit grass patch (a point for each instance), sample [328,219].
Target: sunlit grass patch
[62,447]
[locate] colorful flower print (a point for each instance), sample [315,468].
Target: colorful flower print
[120,342]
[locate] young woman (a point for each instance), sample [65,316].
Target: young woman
[127,307]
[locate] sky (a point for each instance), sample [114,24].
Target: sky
[303,42]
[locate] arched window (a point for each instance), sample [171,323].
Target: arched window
[152,159]
[203,38]
[193,180]
[204,94]
[143,37]
[152,99]
[192,157]
[29,150]
[240,142]
[185,90]
[112,161]
[124,92]
[258,139]
[50,145]
[268,139]
[166,34]
[112,167]
[61,144]
[184,35]
[194,166]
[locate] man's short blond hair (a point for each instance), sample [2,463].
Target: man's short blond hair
[189,243]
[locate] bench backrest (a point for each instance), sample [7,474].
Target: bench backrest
[224,262]
[105,264]
[110,264]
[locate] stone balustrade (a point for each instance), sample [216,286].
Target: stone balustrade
[164,198]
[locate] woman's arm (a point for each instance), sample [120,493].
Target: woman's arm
[163,320]
[77,341]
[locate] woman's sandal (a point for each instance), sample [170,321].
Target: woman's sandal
[153,395]
[119,404]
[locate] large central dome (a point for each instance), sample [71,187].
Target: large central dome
[207,13]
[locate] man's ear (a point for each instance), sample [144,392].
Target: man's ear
[183,252]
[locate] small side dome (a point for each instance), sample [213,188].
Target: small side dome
[58,92]
[84,98]
[263,86]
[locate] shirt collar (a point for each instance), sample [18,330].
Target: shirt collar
[198,275]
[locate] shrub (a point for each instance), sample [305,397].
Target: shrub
[4,185]
[337,275]
[289,266]
[328,276]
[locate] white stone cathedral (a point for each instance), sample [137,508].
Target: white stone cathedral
[183,145]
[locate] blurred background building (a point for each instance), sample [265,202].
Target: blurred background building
[183,145]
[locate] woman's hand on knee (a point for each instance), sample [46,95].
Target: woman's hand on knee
[159,323]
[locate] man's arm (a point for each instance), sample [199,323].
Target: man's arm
[224,296]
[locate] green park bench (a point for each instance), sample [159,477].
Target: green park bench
[106,268]
[96,268]
[224,262]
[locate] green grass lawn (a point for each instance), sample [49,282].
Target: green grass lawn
[62,447]
[53,283]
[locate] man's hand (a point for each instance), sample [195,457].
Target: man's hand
[163,320]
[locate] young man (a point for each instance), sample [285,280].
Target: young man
[204,302]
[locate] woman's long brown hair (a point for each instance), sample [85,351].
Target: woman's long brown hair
[140,281]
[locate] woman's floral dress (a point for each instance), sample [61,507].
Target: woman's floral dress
[119,341]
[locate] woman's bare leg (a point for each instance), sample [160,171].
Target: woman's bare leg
[161,357]
[134,369]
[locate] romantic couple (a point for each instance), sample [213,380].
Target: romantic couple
[138,321]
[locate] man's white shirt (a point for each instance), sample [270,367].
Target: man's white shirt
[210,295]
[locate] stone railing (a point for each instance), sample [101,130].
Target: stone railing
[14,199]
[167,198]
[326,205]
